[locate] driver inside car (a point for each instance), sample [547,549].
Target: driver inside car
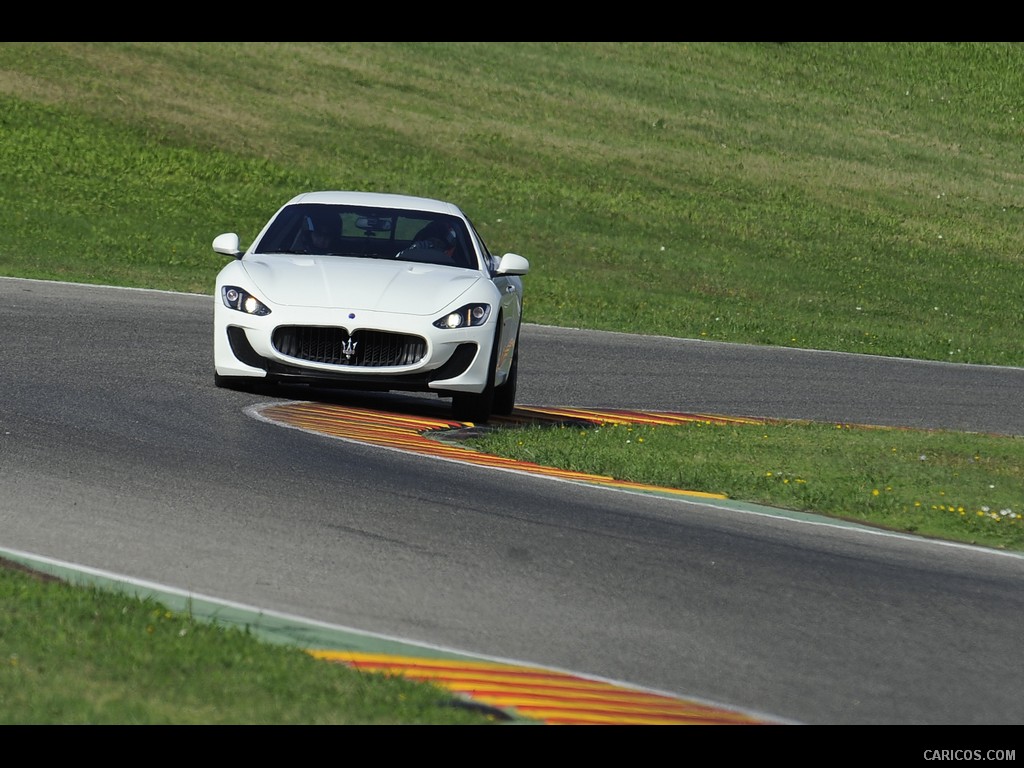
[440,236]
[320,233]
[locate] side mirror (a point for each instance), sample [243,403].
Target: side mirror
[512,264]
[227,244]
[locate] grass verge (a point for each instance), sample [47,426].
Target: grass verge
[76,655]
[955,486]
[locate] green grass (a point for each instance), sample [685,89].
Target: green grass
[946,485]
[84,656]
[860,197]
[863,197]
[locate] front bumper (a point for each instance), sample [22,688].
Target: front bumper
[452,360]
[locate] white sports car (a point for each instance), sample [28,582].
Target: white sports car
[371,291]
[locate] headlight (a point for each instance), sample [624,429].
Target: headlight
[236,298]
[469,315]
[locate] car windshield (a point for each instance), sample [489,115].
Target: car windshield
[375,233]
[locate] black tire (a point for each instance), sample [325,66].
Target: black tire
[242,384]
[505,395]
[476,407]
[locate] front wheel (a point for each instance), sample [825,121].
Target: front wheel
[505,395]
[477,406]
[248,384]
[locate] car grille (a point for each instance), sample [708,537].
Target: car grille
[335,346]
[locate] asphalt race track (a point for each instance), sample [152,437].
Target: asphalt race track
[117,453]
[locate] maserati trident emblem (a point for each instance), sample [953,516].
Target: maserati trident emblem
[348,349]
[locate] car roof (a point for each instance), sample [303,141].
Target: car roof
[377,200]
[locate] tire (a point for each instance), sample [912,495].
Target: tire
[242,384]
[505,395]
[476,407]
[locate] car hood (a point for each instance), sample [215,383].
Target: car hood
[340,282]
